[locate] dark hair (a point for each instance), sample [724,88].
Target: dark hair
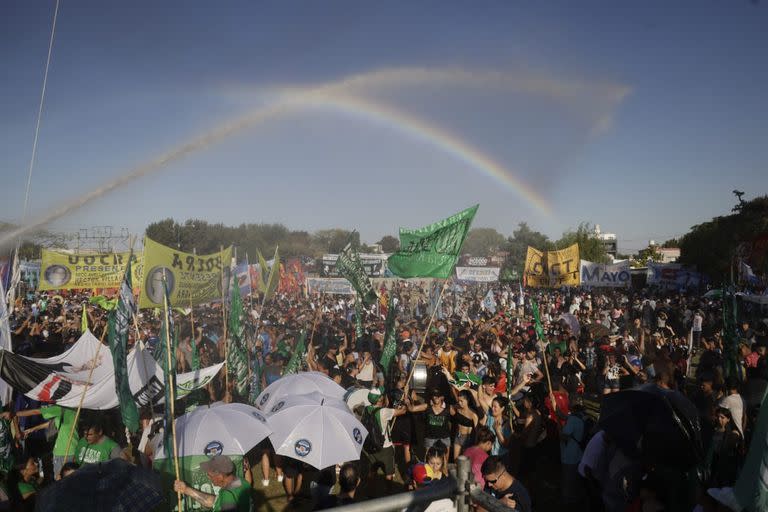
[68,466]
[492,464]
[434,452]
[349,477]
[484,435]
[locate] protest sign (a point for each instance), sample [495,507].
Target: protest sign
[68,271]
[192,278]
[610,276]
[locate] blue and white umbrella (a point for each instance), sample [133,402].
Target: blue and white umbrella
[298,384]
[319,431]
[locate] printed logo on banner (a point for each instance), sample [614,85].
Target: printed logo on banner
[302,447]
[213,449]
[57,275]
[357,435]
[258,416]
[279,405]
[263,399]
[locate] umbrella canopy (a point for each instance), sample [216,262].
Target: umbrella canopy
[115,485]
[714,294]
[662,425]
[572,323]
[227,429]
[316,430]
[299,384]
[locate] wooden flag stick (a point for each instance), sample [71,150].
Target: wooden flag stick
[85,390]
[224,320]
[172,385]
[426,334]
[93,367]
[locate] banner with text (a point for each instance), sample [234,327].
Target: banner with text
[66,271]
[478,274]
[192,278]
[610,276]
[672,276]
[332,285]
[552,268]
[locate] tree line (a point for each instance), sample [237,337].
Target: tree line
[711,247]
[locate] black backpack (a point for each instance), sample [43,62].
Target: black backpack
[375,440]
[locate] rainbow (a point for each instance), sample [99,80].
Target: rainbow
[336,95]
[432,134]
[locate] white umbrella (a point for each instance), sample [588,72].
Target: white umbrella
[319,431]
[227,429]
[299,384]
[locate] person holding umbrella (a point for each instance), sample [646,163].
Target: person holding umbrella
[234,495]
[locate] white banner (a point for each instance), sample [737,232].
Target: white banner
[672,276]
[145,376]
[610,276]
[332,285]
[478,274]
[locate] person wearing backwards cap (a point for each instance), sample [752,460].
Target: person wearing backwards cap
[383,416]
[234,495]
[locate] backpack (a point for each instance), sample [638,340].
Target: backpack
[375,440]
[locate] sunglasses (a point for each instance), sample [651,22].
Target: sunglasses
[489,481]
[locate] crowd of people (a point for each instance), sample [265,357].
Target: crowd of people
[473,379]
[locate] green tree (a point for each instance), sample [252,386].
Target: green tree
[483,242]
[591,248]
[645,256]
[517,246]
[389,244]
[712,246]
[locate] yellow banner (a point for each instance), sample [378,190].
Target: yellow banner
[563,267]
[535,271]
[65,271]
[192,278]
[552,268]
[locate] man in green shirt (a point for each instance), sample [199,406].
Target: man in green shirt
[96,447]
[64,420]
[234,493]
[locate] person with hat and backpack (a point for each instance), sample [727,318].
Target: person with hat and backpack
[377,419]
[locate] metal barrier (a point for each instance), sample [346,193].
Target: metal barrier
[459,487]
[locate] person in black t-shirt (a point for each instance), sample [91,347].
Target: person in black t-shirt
[503,486]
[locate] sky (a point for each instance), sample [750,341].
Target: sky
[640,117]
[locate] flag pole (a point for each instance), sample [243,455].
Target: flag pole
[172,384]
[90,374]
[85,390]
[224,321]
[426,332]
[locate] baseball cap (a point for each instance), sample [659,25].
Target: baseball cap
[219,464]
[375,394]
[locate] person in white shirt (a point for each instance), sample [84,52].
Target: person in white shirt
[734,403]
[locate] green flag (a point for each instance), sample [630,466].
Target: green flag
[103,302]
[349,266]
[358,318]
[432,251]
[751,488]
[84,319]
[237,357]
[297,358]
[390,340]
[167,334]
[195,352]
[119,324]
[537,320]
